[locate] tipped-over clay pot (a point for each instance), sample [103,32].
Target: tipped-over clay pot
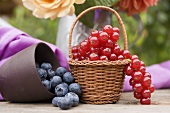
[19,80]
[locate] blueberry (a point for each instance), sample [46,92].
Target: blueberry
[73,97]
[42,73]
[55,81]
[55,101]
[46,66]
[46,83]
[64,84]
[60,71]
[68,78]
[64,103]
[50,73]
[61,90]
[74,87]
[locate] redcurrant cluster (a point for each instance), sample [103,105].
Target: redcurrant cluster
[102,45]
[140,80]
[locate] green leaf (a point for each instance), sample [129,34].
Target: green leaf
[88,18]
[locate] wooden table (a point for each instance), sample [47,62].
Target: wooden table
[126,104]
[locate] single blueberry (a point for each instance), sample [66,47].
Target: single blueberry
[75,87]
[68,78]
[64,84]
[73,97]
[55,101]
[61,90]
[50,73]
[60,71]
[46,66]
[64,103]
[55,81]
[46,83]
[42,73]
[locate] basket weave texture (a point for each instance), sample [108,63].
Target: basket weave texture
[101,81]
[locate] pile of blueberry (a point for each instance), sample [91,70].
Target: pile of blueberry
[61,83]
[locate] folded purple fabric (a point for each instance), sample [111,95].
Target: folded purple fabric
[13,40]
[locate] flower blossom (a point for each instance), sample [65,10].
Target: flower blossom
[135,6]
[51,8]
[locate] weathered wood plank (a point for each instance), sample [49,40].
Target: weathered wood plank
[127,103]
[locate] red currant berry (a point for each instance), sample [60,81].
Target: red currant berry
[142,69]
[75,55]
[95,50]
[126,54]
[131,82]
[147,74]
[106,52]
[137,95]
[95,33]
[108,29]
[93,57]
[116,50]
[74,49]
[120,57]
[109,44]
[82,58]
[115,29]
[134,57]
[77,59]
[100,32]
[146,94]
[135,63]
[88,54]
[137,88]
[151,88]
[102,44]
[81,52]
[146,82]
[103,37]
[113,57]
[85,46]
[128,70]
[142,63]
[94,42]
[114,37]
[144,101]
[103,57]
[137,76]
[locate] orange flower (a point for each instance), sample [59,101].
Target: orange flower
[51,8]
[135,6]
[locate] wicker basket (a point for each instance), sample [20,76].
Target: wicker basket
[101,81]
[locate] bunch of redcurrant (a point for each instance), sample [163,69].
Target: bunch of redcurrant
[102,45]
[140,80]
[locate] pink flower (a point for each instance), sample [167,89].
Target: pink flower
[135,6]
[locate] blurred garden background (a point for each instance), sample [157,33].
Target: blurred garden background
[151,44]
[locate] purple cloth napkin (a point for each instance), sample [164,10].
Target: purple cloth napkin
[13,40]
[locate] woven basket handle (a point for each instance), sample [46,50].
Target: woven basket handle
[93,8]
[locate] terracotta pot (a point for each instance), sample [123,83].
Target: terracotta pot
[19,80]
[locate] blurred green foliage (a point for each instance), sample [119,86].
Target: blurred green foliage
[155,44]
[152,47]
[43,29]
